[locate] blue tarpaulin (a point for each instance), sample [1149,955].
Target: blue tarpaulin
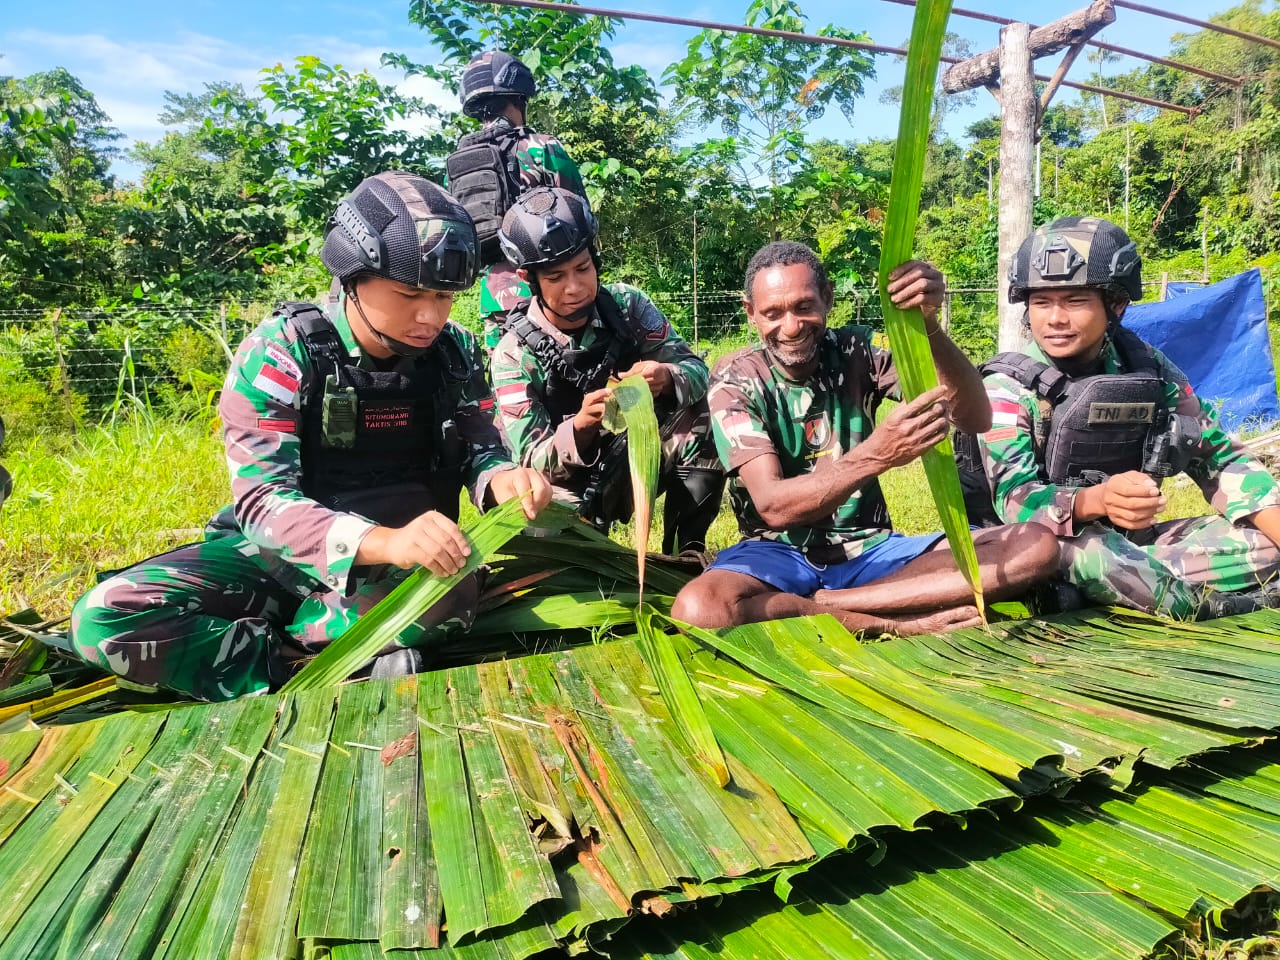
[1217,335]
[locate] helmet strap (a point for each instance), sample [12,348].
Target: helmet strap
[396,347]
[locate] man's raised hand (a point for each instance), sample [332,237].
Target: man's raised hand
[908,431]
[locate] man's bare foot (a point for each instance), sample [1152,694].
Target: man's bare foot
[954,619]
[878,626]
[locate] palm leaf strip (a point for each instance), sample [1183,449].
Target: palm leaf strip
[911,353]
[683,704]
[630,410]
[406,603]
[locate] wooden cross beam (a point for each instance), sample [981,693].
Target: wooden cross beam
[1072,30]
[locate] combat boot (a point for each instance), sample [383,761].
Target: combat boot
[693,502]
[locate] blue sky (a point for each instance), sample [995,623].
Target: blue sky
[128,54]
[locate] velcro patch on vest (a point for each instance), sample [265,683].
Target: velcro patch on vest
[1121,413]
[384,418]
[279,376]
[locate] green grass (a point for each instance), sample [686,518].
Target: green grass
[101,499]
[111,496]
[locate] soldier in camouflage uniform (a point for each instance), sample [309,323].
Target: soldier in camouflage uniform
[551,368]
[794,424]
[349,437]
[496,88]
[1076,276]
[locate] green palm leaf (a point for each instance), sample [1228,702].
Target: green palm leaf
[905,328]
[414,597]
[659,651]
[631,410]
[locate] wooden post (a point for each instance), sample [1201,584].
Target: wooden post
[1018,123]
[1007,73]
[62,369]
[1164,286]
[695,280]
[1204,243]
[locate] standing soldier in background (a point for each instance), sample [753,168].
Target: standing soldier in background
[1089,419]
[552,367]
[496,164]
[349,436]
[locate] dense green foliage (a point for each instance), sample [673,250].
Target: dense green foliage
[230,203]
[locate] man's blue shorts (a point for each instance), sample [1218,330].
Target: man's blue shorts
[786,568]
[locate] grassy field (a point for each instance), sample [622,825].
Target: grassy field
[110,496]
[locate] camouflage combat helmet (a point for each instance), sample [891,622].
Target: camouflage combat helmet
[1076,252]
[545,226]
[494,74]
[403,227]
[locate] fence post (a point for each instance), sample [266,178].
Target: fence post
[696,339]
[944,316]
[62,368]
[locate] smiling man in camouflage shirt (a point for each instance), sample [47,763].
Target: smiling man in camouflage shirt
[794,423]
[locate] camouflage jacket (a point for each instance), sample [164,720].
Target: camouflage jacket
[543,163]
[1232,481]
[303,542]
[756,410]
[519,382]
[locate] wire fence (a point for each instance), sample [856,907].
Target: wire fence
[61,366]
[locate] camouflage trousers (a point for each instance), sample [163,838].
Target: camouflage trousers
[1172,573]
[501,291]
[210,621]
[603,494]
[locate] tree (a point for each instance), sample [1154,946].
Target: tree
[763,91]
[200,227]
[318,130]
[57,233]
[566,53]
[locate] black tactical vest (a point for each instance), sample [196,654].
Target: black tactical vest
[571,374]
[1090,429]
[484,175]
[377,442]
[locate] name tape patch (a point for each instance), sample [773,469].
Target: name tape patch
[1100,413]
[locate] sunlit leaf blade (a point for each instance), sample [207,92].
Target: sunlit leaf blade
[905,328]
[407,602]
[659,651]
[631,410]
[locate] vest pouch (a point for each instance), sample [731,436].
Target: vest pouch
[1104,426]
[339,408]
[392,505]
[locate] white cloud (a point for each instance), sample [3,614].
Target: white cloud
[129,76]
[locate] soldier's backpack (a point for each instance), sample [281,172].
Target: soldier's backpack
[484,175]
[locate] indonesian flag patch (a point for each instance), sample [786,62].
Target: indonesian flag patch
[1004,413]
[511,395]
[279,376]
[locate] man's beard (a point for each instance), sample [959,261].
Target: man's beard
[794,354]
